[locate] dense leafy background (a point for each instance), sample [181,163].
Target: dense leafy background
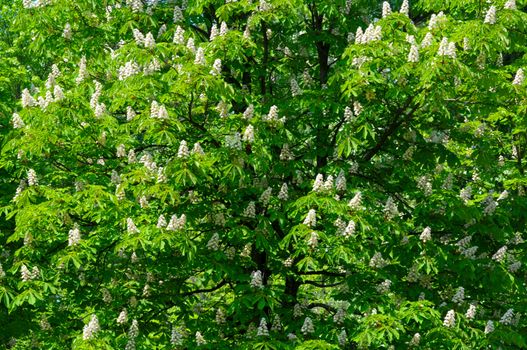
[410,137]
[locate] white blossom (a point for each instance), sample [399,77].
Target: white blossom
[425,184]
[246,251]
[58,94]
[223,28]
[295,89]
[435,19]
[196,149]
[470,253]
[130,226]
[35,272]
[32,178]
[129,69]
[319,183]
[183,150]
[489,327]
[510,5]
[450,319]
[452,50]
[74,236]
[161,221]
[519,77]
[176,223]
[459,296]
[179,36]
[348,114]
[91,328]
[350,229]
[200,340]
[247,33]
[390,209]
[149,41]
[234,141]
[312,242]
[427,40]
[466,44]
[131,157]
[223,109]
[308,327]
[123,317]
[471,312]
[328,184]
[416,339]
[250,210]
[143,202]
[272,116]
[262,329]
[311,218]
[178,14]
[176,337]
[214,242]
[138,37]
[447,48]
[249,112]
[465,194]
[405,8]
[507,317]
[133,332]
[121,151]
[514,267]
[277,324]
[413,55]
[358,35]
[426,235]
[257,280]
[248,135]
[220,316]
[214,32]
[490,204]
[27,99]
[83,72]
[372,33]
[135,5]
[25,274]
[216,67]
[384,287]
[17,122]
[340,183]
[283,195]
[356,201]
[162,30]
[490,16]
[286,154]
[264,6]
[386,9]
[130,113]
[200,56]
[266,196]
[377,261]
[190,45]
[339,316]
[162,112]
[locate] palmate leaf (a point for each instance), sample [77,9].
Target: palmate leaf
[402,143]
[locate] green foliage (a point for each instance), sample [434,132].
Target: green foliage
[308,176]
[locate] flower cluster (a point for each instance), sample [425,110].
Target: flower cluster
[91,329]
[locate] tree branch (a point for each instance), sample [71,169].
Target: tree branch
[392,128]
[325,273]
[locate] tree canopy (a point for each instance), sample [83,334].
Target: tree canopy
[273,174]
